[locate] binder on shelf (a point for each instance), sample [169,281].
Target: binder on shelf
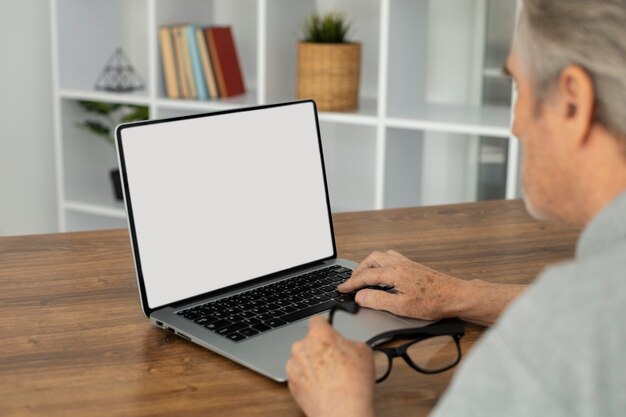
[207,66]
[225,59]
[168,60]
[196,65]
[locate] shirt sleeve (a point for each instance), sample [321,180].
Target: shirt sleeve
[495,381]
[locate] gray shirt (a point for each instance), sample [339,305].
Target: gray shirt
[560,349]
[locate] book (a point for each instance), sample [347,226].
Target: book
[215,60]
[187,68]
[169,62]
[205,57]
[178,52]
[196,65]
[225,61]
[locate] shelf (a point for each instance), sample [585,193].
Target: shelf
[472,120]
[80,207]
[81,221]
[243,100]
[494,72]
[139,97]
[366,114]
[98,202]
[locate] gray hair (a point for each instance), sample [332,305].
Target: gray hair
[552,34]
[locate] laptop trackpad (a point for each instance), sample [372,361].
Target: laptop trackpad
[271,351]
[368,323]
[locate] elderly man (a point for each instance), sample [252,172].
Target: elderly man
[560,348]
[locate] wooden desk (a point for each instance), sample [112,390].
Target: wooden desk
[75,343]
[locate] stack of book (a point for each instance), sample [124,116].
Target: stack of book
[200,62]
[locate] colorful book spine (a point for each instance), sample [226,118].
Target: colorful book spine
[180,52]
[229,74]
[206,64]
[169,63]
[196,65]
[215,59]
[193,92]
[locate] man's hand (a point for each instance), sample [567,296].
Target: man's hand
[330,375]
[423,293]
[420,292]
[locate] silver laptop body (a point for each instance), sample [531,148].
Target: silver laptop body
[226,203]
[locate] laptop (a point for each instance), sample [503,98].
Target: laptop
[231,231]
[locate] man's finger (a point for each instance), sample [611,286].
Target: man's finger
[372,276]
[395,254]
[319,325]
[376,299]
[290,367]
[373,260]
[293,375]
[317,321]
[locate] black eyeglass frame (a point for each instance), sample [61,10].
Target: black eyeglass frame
[401,351]
[453,328]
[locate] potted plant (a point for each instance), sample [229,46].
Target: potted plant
[106,117]
[329,65]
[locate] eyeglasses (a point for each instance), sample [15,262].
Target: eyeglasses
[430,350]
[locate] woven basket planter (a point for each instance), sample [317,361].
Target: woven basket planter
[329,73]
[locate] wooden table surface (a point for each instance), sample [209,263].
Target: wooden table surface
[75,343]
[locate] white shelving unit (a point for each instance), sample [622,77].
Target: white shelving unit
[407,144]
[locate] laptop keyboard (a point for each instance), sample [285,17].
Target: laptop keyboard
[256,311]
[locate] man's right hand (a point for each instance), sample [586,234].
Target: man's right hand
[419,292]
[423,293]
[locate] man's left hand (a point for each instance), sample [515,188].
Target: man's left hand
[330,375]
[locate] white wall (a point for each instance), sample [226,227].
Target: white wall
[27,185]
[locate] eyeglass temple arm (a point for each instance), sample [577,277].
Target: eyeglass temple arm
[444,327]
[347,306]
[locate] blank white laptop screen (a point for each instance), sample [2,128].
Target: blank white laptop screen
[223,199]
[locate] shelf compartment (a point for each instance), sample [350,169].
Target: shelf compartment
[241,15]
[285,19]
[434,81]
[492,169]
[497,91]
[403,168]
[90,31]
[88,160]
[349,158]
[500,20]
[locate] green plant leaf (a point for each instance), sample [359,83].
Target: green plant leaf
[329,28]
[98,107]
[97,128]
[137,113]
[111,114]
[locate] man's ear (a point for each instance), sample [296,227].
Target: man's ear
[576,98]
